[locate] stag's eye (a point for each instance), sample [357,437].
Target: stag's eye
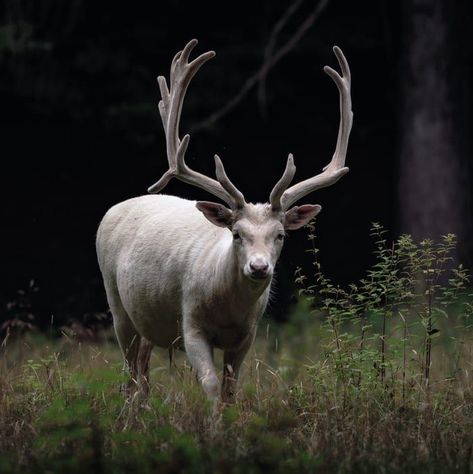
[236,236]
[280,237]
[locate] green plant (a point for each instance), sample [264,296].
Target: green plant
[396,308]
[342,387]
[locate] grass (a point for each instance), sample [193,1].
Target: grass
[376,379]
[61,409]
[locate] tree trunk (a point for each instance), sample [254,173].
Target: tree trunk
[434,84]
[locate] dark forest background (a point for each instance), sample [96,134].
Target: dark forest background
[81,130]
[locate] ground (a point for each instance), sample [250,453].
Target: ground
[301,408]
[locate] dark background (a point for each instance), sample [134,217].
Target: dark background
[81,130]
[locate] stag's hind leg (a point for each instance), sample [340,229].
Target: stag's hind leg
[127,337]
[142,364]
[137,352]
[129,342]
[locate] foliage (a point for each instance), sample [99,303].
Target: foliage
[382,328]
[347,385]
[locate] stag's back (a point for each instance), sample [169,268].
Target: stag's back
[160,232]
[150,247]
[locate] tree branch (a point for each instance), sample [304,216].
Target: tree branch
[269,60]
[268,51]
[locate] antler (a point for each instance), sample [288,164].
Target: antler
[170,108]
[282,197]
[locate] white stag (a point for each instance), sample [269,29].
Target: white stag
[200,272]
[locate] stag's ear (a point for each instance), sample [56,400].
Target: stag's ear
[216,213]
[299,216]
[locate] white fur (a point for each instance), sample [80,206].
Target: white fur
[169,272]
[174,271]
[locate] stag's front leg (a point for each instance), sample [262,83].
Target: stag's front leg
[232,361]
[199,353]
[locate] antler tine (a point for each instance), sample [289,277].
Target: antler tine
[227,184]
[282,184]
[170,108]
[343,63]
[163,105]
[336,168]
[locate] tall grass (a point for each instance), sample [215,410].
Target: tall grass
[374,377]
[385,327]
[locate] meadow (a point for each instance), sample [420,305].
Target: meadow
[372,377]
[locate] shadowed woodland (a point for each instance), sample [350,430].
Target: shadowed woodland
[362,362]
[81,130]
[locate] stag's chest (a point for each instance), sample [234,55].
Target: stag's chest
[231,336]
[227,328]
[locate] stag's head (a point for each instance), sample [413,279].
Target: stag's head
[257,230]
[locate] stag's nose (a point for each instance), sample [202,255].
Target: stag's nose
[259,268]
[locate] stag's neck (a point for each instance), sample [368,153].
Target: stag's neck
[232,286]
